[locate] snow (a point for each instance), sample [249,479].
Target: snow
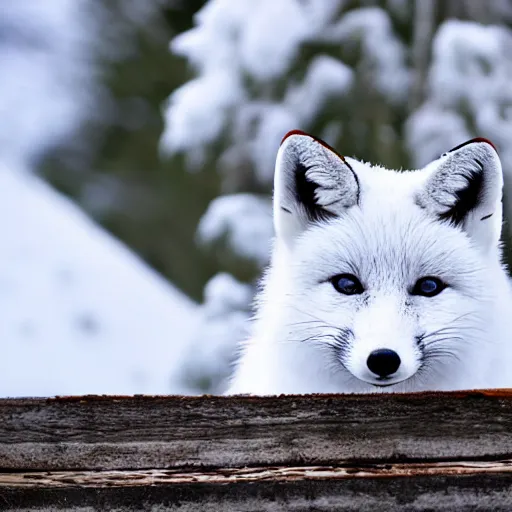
[223,323]
[44,53]
[326,77]
[228,35]
[80,313]
[243,55]
[431,131]
[469,94]
[382,51]
[469,91]
[285,26]
[465,52]
[203,102]
[273,122]
[244,221]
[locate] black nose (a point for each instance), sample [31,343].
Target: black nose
[383,362]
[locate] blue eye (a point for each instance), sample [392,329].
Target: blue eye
[347,284]
[428,287]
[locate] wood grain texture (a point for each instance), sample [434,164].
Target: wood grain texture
[152,477]
[116,433]
[430,451]
[487,492]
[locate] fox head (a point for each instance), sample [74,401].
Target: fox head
[388,274]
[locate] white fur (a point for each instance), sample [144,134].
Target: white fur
[384,227]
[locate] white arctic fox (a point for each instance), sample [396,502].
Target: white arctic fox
[382,281]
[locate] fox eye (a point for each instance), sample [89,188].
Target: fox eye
[347,284]
[428,287]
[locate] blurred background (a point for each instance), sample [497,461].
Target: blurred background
[137,147]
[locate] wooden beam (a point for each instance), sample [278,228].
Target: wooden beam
[426,451]
[116,433]
[438,491]
[151,477]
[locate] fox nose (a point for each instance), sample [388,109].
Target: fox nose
[383,362]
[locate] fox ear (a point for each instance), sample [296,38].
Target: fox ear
[465,189]
[311,183]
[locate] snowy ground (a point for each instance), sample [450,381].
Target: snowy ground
[80,312]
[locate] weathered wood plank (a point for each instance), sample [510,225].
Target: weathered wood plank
[151,477]
[112,433]
[479,492]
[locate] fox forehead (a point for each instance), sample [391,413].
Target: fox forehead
[378,181]
[387,244]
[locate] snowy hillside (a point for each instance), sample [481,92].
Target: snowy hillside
[80,312]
